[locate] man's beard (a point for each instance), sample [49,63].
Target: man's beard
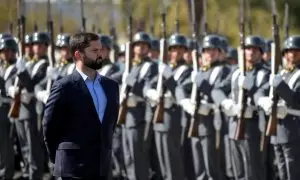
[93,64]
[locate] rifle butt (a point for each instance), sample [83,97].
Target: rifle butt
[14,111]
[159,113]
[240,130]
[122,113]
[272,126]
[193,129]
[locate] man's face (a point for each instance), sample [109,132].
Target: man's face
[292,56]
[176,52]
[7,54]
[65,53]
[188,57]
[40,49]
[267,56]
[29,50]
[153,54]
[253,54]
[93,55]
[210,55]
[141,49]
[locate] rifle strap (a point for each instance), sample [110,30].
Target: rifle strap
[179,72]
[293,79]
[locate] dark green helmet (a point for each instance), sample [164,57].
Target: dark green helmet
[155,44]
[190,44]
[8,43]
[106,41]
[177,40]
[232,53]
[28,39]
[268,45]
[41,38]
[292,42]
[224,44]
[141,37]
[212,41]
[255,41]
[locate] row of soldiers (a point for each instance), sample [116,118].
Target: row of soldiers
[143,149]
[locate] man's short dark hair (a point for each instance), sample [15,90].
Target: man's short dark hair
[80,41]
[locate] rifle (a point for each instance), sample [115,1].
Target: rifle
[151,20]
[51,33]
[177,25]
[14,111]
[275,62]
[193,129]
[249,16]
[35,26]
[128,55]
[61,27]
[286,19]
[113,34]
[83,20]
[240,130]
[10,24]
[159,111]
[204,17]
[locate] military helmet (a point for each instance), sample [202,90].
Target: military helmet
[191,44]
[8,43]
[28,39]
[106,41]
[141,37]
[212,41]
[155,44]
[268,45]
[224,44]
[64,40]
[292,42]
[58,39]
[232,53]
[5,35]
[41,37]
[177,40]
[255,41]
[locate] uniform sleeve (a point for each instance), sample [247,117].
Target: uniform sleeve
[291,96]
[53,118]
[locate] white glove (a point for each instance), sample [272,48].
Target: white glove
[42,96]
[26,97]
[244,82]
[161,67]
[21,64]
[193,76]
[281,111]
[229,107]
[204,108]
[152,95]
[52,72]
[249,112]
[266,104]
[188,106]
[12,91]
[275,80]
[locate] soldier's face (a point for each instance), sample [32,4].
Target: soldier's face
[253,54]
[176,52]
[7,54]
[141,49]
[267,56]
[40,49]
[28,50]
[154,54]
[211,54]
[65,53]
[188,57]
[106,52]
[292,56]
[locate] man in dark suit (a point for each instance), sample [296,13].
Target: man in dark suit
[80,115]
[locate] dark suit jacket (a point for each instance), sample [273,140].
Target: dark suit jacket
[79,145]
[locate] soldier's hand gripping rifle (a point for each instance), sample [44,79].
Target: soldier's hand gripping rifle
[51,55]
[14,111]
[195,99]
[275,62]
[240,130]
[128,56]
[159,111]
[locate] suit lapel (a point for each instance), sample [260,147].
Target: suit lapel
[86,94]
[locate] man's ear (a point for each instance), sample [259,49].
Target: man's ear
[77,55]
